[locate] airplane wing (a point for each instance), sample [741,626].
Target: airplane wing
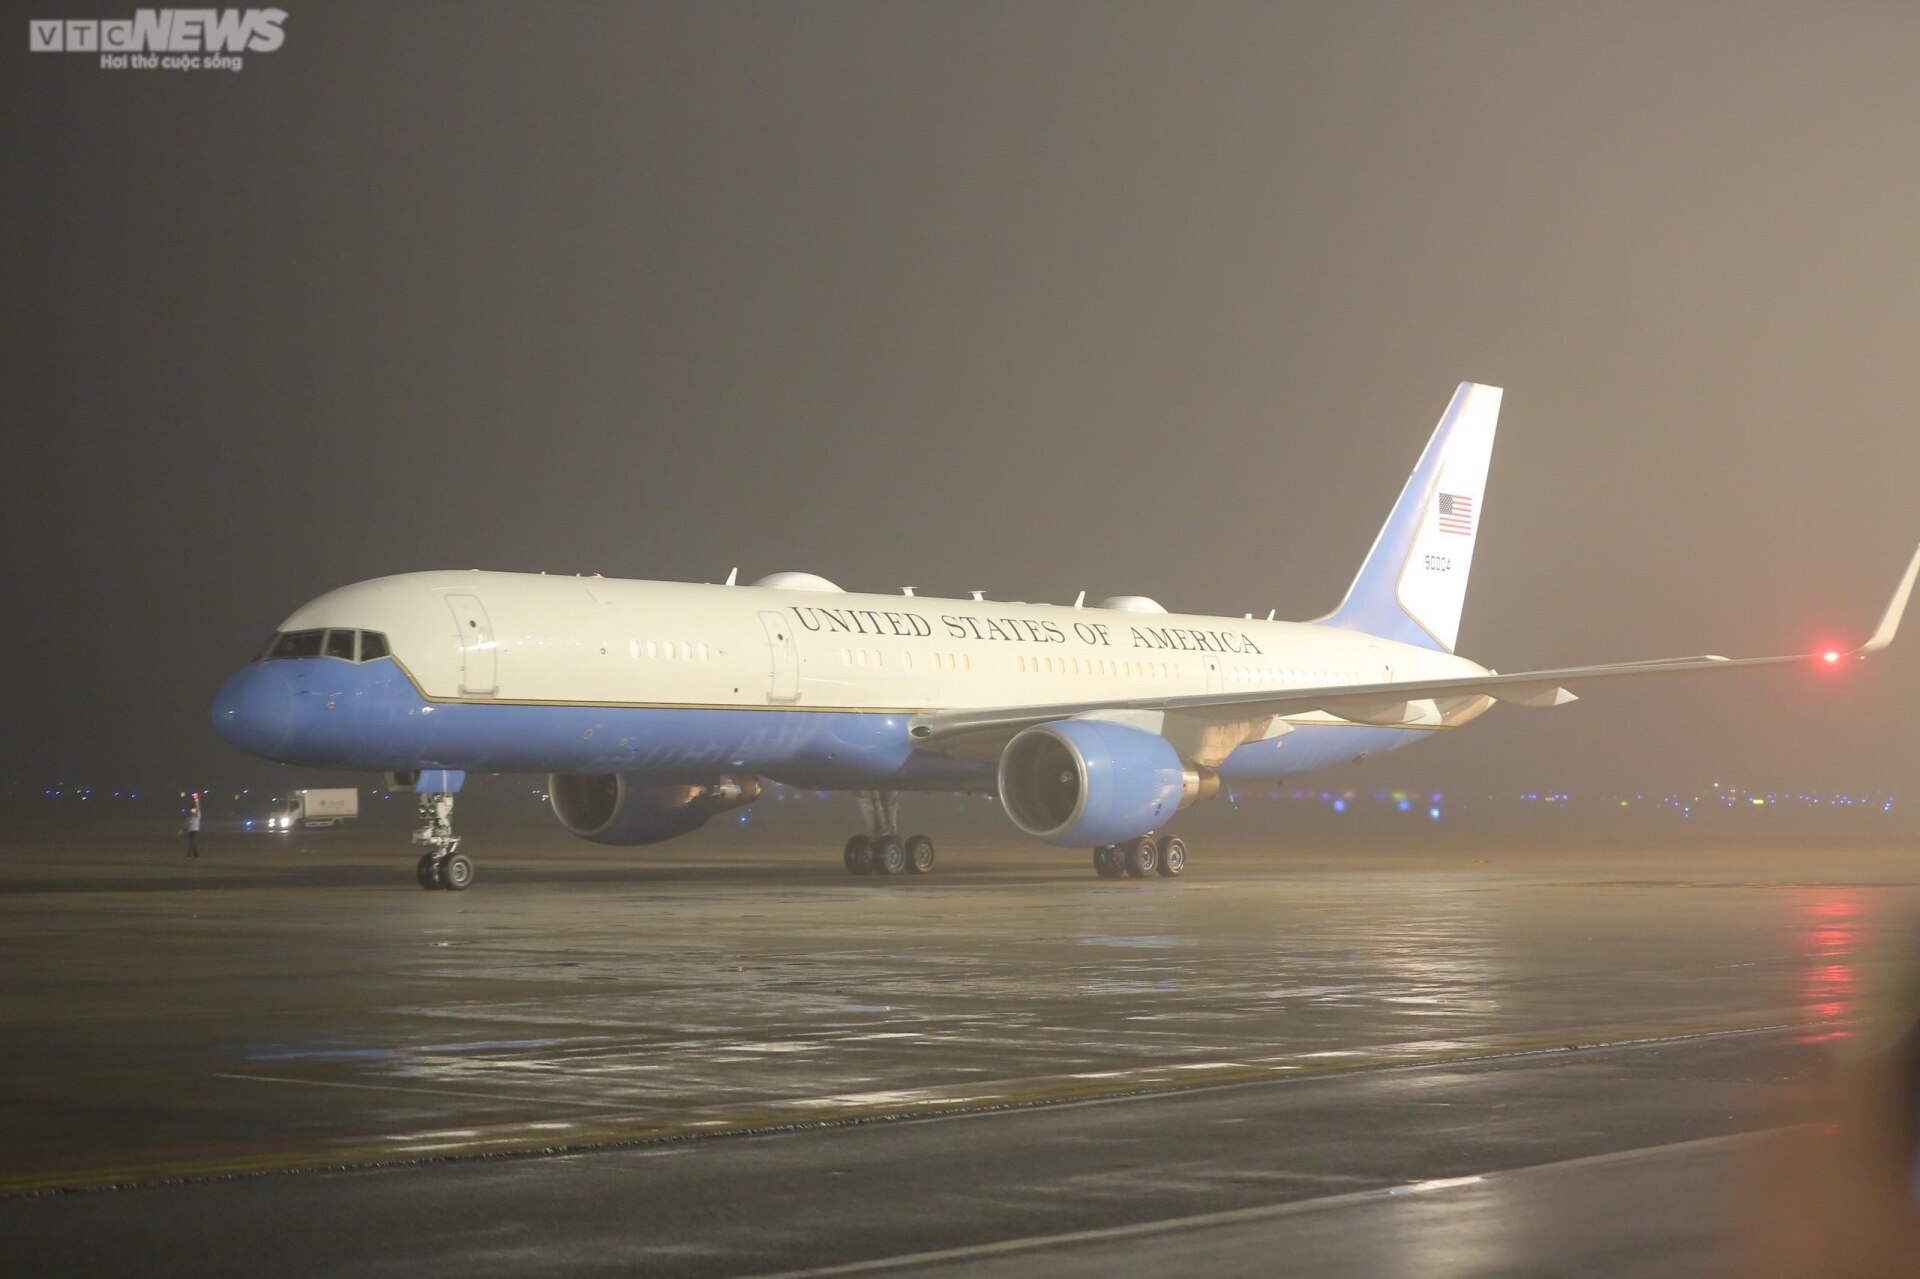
[1392,703]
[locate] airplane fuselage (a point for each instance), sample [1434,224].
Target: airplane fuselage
[511,672]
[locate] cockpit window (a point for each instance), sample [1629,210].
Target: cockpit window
[296,644]
[337,643]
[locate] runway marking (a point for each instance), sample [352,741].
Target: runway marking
[440,1092]
[1236,1216]
[776,1115]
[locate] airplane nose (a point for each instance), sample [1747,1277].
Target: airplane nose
[254,710]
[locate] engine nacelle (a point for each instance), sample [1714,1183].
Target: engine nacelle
[617,808]
[1089,782]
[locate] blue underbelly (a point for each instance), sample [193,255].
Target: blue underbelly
[370,716]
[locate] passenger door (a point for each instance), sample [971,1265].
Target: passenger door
[785,682]
[479,672]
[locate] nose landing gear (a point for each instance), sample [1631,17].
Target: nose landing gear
[442,865]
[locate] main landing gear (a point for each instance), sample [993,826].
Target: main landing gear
[881,851]
[1138,858]
[442,865]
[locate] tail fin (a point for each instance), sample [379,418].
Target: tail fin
[1414,581]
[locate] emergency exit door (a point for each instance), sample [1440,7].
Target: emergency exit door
[479,672]
[784,685]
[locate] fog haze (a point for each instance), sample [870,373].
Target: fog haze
[1137,299]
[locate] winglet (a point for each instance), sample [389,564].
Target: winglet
[1890,620]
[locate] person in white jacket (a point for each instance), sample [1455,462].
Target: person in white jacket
[192,829]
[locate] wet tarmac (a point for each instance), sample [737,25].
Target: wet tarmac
[715,1059]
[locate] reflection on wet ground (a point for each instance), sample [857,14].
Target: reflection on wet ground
[294,1020]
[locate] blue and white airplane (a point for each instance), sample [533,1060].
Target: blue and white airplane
[656,705]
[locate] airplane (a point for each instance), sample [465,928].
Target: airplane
[654,706]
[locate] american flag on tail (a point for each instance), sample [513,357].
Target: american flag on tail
[1456,514]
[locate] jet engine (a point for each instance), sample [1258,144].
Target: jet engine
[619,808]
[1090,782]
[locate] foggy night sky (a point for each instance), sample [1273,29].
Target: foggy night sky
[1030,298]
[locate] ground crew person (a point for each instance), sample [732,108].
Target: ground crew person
[192,829]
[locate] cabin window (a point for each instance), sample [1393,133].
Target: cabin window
[702,649]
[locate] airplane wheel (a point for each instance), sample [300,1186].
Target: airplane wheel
[858,855]
[456,873]
[889,855]
[920,855]
[1106,862]
[427,873]
[1173,856]
[1141,855]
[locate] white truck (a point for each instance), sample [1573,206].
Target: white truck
[313,809]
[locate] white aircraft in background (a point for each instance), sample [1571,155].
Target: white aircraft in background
[654,706]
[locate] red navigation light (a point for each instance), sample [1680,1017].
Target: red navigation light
[1831,656]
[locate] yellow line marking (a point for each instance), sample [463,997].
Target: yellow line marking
[438,1092]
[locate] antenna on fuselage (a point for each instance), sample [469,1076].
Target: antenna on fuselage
[733,575]
[979,595]
[907,591]
[1271,612]
[1081,598]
